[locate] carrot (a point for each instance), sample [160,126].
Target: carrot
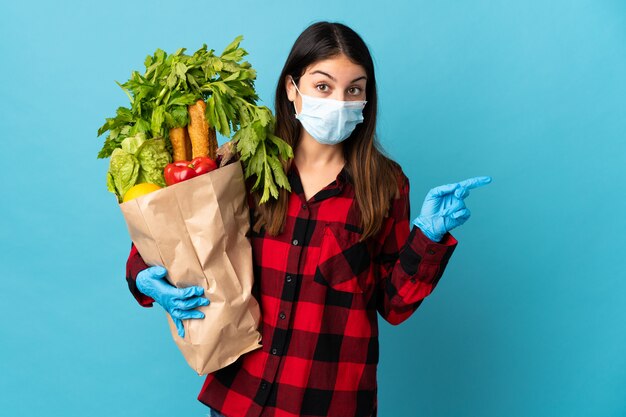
[188,146]
[180,143]
[202,136]
[212,143]
[198,129]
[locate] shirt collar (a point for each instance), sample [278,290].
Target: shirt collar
[331,189]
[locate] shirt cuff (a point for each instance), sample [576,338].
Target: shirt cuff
[141,298]
[420,249]
[134,265]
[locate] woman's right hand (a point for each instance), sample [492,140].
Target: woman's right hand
[178,302]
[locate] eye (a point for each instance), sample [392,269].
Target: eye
[322,87]
[355,91]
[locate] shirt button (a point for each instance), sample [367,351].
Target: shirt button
[274,351]
[304,206]
[282,315]
[263,385]
[295,242]
[430,252]
[288,278]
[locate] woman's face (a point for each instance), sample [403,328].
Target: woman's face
[335,78]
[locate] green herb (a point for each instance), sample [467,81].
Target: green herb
[159,98]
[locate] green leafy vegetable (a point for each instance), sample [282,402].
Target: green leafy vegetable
[153,157]
[137,160]
[159,98]
[123,172]
[132,143]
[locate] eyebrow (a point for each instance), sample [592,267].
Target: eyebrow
[363,77]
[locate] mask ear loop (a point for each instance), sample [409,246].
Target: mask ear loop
[294,102]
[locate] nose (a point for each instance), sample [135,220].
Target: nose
[340,95]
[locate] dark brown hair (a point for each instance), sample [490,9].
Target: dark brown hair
[373,174]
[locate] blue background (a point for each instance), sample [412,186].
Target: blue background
[529,319]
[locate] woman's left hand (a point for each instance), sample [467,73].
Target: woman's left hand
[444,208]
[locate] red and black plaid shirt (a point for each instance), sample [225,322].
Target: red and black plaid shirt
[320,290]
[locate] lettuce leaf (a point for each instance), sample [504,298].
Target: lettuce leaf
[153,157]
[132,143]
[123,172]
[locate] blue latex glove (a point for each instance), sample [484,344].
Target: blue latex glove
[444,208]
[178,302]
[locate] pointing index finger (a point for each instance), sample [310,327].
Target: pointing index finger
[475,182]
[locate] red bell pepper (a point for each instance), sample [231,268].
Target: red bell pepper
[203,164]
[184,170]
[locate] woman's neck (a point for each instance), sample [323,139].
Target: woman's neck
[310,154]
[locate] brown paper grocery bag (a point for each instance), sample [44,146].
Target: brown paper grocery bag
[197,230]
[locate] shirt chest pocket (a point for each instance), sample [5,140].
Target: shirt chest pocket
[344,262]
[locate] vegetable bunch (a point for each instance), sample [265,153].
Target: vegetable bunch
[224,85]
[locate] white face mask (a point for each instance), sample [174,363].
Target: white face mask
[329,121]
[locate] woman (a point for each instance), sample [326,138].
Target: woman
[329,255]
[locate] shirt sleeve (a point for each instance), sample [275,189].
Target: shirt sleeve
[134,265]
[409,263]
